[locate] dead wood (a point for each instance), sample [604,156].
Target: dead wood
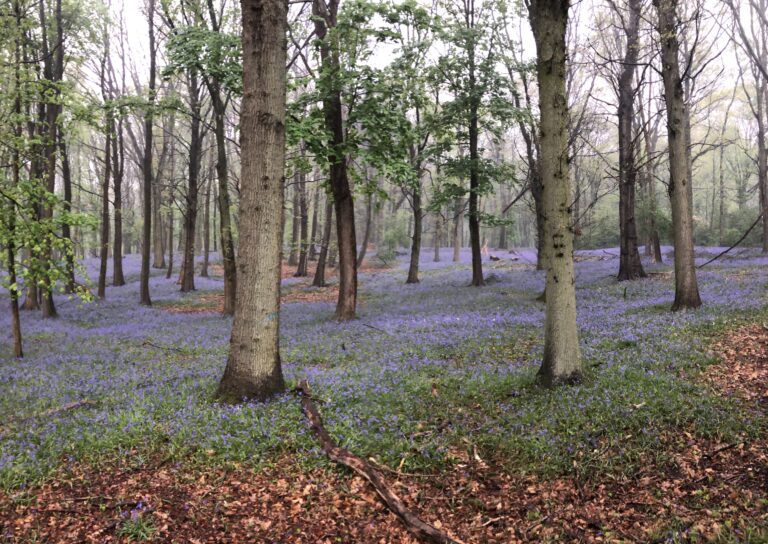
[344,457]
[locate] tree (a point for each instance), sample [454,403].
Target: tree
[253,368]
[680,185]
[325,16]
[147,160]
[630,267]
[562,360]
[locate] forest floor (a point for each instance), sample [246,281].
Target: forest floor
[108,432]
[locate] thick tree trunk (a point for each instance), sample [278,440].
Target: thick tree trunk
[562,360]
[319,279]
[680,186]
[630,266]
[146,235]
[253,367]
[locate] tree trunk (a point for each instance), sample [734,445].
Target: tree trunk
[169,272]
[104,240]
[66,231]
[225,219]
[630,266]
[253,367]
[301,270]
[474,181]
[53,69]
[436,240]
[18,132]
[313,233]
[293,255]
[458,220]
[367,231]
[207,228]
[762,159]
[342,195]
[146,237]
[118,171]
[319,279]
[680,187]
[562,360]
[193,180]
[413,267]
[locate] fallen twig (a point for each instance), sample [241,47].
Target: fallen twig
[166,348]
[365,469]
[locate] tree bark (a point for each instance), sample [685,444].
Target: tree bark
[630,266]
[118,171]
[146,237]
[253,368]
[193,180]
[367,231]
[562,359]
[104,240]
[413,267]
[319,279]
[680,187]
[301,269]
[313,232]
[342,195]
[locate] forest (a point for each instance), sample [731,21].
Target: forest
[393,271]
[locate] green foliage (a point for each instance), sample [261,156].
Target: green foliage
[217,55]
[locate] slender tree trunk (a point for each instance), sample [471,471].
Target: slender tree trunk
[118,170]
[104,241]
[66,230]
[225,219]
[193,180]
[562,360]
[762,158]
[301,270]
[207,229]
[18,131]
[319,279]
[342,195]
[146,238]
[413,267]
[253,368]
[437,241]
[630,266]
[293,255]
[53,70]
[313,234]
[458,221]
[367,231]
[680,188]
[169,271]
[474,185]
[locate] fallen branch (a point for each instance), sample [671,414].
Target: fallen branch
[344,457]
[716,257]
[165,348]
[51,412]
